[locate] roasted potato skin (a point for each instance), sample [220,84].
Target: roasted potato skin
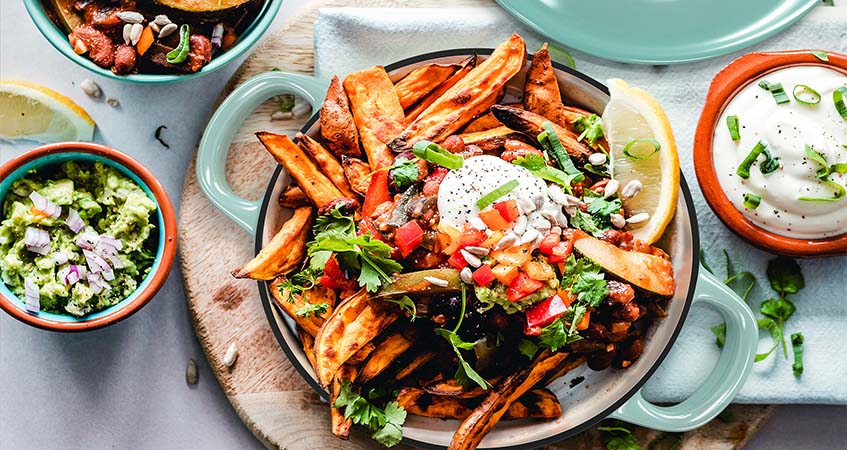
[541,91]
[327,163]
[465,68]
[421,81]
[337,127]
[531,125]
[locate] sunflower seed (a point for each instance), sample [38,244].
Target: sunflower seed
[638,218]
[541,224]
[154,27]
[127,33]
[611,188]
[597,159]
[191,374]
[538,199]
[631,189]
[472,259]
[231,355]
[477,223]
[507,241]
[561,219]
[525,204]
[113,102]
[282,115]
[557,195]
[90,88]
[556,230]
[520,225]
[135,33]
[478,251]
[301,109]
[130,17]
[437,281]
[167,30]
[617,220]
[572,200]
[161,20]
[466,275]
[530,236]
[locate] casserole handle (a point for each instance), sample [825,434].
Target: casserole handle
[726,379]
[217,139]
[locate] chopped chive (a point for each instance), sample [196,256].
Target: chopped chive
[627,150]
[838,194]
[838,97]
[770,165]
[816,156]
[838,168]
[776,90]
[434,153]
[823,56]
[813,97]
[492,196]
[743,170]
[550,141]
[732,124]
[752,200]
[180,53]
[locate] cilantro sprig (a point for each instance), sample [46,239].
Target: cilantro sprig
[316,309]
[465,374]
[589,128]
[387,423]
[537,165]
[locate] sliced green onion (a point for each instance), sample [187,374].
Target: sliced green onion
[752,200]
[823,56]
[838,97]
[180,53]
[817,157]
[550,141]
[838,168]
[770,165]
[838,194]
[627,150]
[732,124]
[815,97]
[492,196]
[776,90]
[797,347]
[743,170]
[436,154]
[596,170]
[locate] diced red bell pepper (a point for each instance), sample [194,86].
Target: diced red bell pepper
[377,193]
[555,250]
[408,237]
[471,237]
[544,313]
[366,226]
[483,276]
[333,277]
[493,220]
[457,260]
[433,181]
[547,243]
[508,210]
[522,286]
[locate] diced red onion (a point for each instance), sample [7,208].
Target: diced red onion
[74,221]
[87,240]
[35,237]
[71,274]
[45,206]
[96,284]
[96,263]
[217,35]
[32,296]
[60,257]
[40,250]
[111,241]
[108,274]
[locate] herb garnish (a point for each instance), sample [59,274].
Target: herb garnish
[492,196]
[551,143]
[180,53]
[823,175]
[405,172]
[616,436]
[797,347]
[538,167]
[407,305]
[776,90]
[318,309]
[732,124]
[589,128]
[821,55]
[631,146]
[387,424]
[465,374]
[436,154]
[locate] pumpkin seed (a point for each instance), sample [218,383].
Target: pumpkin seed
[611,188]
[167,30]
[135,33]
[91,88]
[161,20]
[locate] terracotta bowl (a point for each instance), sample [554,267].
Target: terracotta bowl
[726,84]
[165,233]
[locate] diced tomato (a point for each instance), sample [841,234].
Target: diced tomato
[505,273]
[484,275]
[544,313]
[458,261]
[471,237]
[333,277]
[547,243]
[539,270]
[508,210]
[531,331]
[493,219]
[408,237]
[433,181]
[583,323]
[366,226]
[555,250]
[522,286]
[377,193]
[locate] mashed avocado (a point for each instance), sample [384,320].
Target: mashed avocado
[495,294]
[109,204]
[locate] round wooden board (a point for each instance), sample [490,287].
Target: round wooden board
[266,391]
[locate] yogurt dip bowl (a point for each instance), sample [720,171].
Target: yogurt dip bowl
[767,156]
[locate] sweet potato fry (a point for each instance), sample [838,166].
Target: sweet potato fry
[359,357]
[340,425]
[420,360]
[302,169]
[490,140]
[535,404]
[466,66]
[351,326]
[486,415]
[541,91]
[451,388]
[471,96]
[387,351]
[293,303]
[293,197]
[484,122]
[357,173]
[327,163]
[421,81]
[337,127]
[307,341]
[571,363]
[376,112]
[285,250]
[531,124]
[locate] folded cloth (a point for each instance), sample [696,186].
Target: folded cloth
[350,39]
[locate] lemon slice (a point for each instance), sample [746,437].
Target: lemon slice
[642,148]
[33,112]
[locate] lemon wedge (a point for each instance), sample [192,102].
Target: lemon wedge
[33,112]
[642,150]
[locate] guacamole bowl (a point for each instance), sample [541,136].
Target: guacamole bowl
[160,246]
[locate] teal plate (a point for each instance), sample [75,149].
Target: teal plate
[657,31]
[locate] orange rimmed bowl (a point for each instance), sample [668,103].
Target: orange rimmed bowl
[166,233]
[726,84]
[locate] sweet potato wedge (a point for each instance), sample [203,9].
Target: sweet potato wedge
[493,139]
[419,361]
[466,66]
[571,363]
[451,388]
[307,341]
[472,95]
[541,90]
[337,127]
[362,355]
[484,122]
[535,404]
[293,197]
[302,169]
[340,425]
[327,163]
[386,352]
[531,124]
[293,303]
[285,250]
[497,403]
[648,272]
[421,81]
[376,112]
[357,173]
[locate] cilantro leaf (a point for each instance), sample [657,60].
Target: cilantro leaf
[465,374]
[387,423]
[405,173]
[589,128]
[556,335]
[704,263]
[618,437]
[775,331]
[779,310]
[299,282]
[527,348]
[584,278]
[318,309]
[797,346]
[720,334]
[537,165]
[407,305]
[785,276]
[602,207]
[586,222]
[392,432]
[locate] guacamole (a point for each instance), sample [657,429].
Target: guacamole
[85,248]
[495,294]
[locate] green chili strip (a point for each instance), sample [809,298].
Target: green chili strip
[801,89]
[839,193]
[776,90]
[627,150]
[180,53]
[492,196]
[823,56]
[732,124]
[816,156]
[797,345]
[770,165]
[550,141]
[838,97]
[434,153]
[744,168]
[752,200]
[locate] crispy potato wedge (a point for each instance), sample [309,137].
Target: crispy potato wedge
[387,351]
[493,139]
[340,425]
[359,357]
[327,163]
[419,361]
[535,404]
[337,127]
[307,341]
[496,404]
[466,66]
[376,112]
[484,122]
[293,197]
[421,81]
[351,326]
[357,173]
[571,363]
[302,169]
[284,252]
[541,90]
[531,124]
[472,95]
[648,272]
[451,388]
[293,303]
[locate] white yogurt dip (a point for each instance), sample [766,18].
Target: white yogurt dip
[786,129]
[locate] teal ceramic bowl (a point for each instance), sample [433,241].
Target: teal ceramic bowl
[59,40]
[165,233]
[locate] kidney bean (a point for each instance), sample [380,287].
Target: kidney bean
[125,57]
[453,144]
[620,292]
[597,331]
[101,50]
[628,312]
[599,361]
[631,349]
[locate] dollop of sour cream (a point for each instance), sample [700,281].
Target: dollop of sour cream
[786,129]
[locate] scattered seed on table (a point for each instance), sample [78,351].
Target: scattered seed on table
[301,109]
[91,88]
[231,355]
[113,102]
[282,115]
[191,374]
